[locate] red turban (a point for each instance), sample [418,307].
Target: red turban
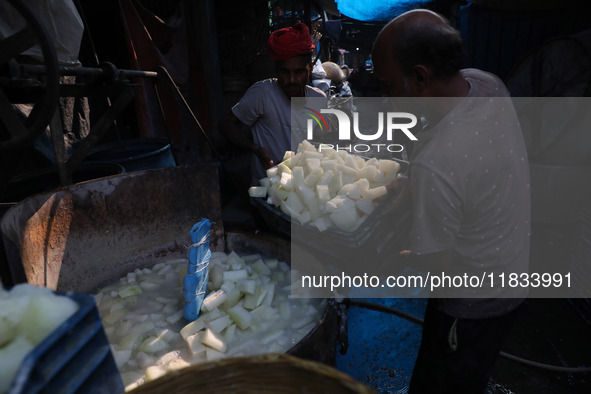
[289,42]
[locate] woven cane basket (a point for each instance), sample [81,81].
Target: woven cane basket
[269,373]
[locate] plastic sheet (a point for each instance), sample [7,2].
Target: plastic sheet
[376,10]
[59,17]
[195,281]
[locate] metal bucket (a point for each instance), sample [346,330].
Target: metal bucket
[91,234]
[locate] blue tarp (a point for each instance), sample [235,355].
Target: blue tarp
[383,347]
[376,10]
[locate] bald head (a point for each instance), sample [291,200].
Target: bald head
[417,18]
[420,37]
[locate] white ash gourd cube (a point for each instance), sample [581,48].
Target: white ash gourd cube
[28,314]
[247,310]
[326,188]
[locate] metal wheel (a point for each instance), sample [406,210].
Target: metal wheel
[18,128]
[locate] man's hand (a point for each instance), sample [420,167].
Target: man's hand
[233,129]
[264,156]
[401,189]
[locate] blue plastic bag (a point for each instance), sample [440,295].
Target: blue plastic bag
[195,281]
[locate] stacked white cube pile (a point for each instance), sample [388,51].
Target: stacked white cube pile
[325,187]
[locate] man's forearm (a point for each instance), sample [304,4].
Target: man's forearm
[231,127]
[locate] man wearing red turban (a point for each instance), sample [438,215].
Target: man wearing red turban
[290,42]
[266,106]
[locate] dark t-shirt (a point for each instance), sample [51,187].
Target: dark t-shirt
[469,177]
[267,110]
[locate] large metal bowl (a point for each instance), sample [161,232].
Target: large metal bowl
[88,235]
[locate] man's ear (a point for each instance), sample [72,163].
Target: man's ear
[421,76]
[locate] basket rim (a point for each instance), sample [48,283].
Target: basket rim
[263,362]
